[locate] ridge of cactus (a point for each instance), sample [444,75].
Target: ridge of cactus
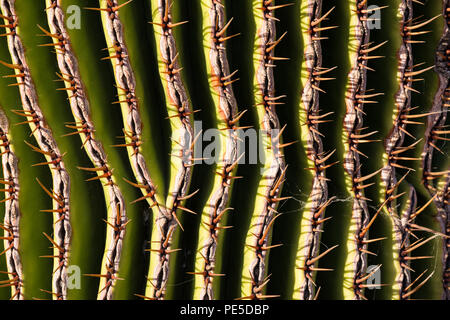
[442,203]
[353,135]
[85,128]
[127,99]
[331,282]
[258,241]
[220,84]
[183,140]
[437,183]
[395,153]
[314,212]
[11,221]
[60,193]
[231,244]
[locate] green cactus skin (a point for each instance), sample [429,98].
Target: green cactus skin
[314,212]
[48,147]
[220,80]
[258,242]
[11,221]
[183,141]
[84,127]
[438,183]
[333,100]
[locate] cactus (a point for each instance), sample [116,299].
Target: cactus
[314,212]
[362,196]
[47,146]
[12,212]
[220,80]
[435,128]
[83,125]
[395,151]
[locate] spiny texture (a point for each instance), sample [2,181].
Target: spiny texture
[356,96]
[11,221]
[182,149]
[442,203]
[313,216]
[394,142]
[47,146]
[126,86]
[220,80]
[254,278]
[437,182]
[395,149]
[406,255]
[70,74]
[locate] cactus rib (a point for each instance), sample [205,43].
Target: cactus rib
[183,142]
[436,126]
[311,224]
[258,240]
[11,221]
[394,142]
[126,87]
[84,127]
[442,203]
[48,147]
[393,148]
[220,82]
[356,264]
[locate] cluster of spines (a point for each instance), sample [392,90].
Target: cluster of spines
[403,227]
[313,216]
[437,182]
[183,142]
[394,147]
[356,98]
[220,80]
[444,218]
[11,221]
[254,277]
[46,146]
[70,75]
